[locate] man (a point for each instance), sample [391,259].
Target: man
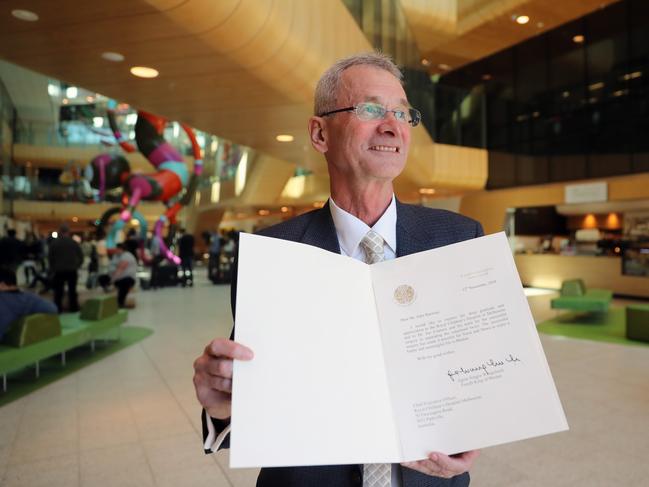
[186,254]
[362,126]
[15,304]
[65,258]
[12,251]
[125,272]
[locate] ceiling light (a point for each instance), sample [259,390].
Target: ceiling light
[98,122]
[115,57]
[540,25]
[284,209]
[26,15]
[630,76]
[75,219]
[425,62]
[90,99]
[65,101]
[144,72]
[486,77]
[71,92]
[521,19]
[426,191]
[284,138]
[596,86]
[578,39]
[53,90]
[263,212]
[444,66]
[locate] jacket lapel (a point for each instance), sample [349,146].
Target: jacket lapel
[411,235]
[321,231]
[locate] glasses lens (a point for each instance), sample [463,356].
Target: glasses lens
[370,111]
[415,117]
[401,114]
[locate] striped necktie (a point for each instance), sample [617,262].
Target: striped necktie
[372,245]
[375,474]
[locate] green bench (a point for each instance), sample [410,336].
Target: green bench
[36,337]
[637,322]
[575,297]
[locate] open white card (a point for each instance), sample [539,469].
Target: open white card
[435,351]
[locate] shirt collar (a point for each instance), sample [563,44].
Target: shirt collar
[351,230]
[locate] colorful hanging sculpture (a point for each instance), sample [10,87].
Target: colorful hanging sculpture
[166,184]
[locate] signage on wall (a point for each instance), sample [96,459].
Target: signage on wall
[586,193]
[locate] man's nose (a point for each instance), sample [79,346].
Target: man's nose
[389,124]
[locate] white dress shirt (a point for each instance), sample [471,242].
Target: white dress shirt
[350,231]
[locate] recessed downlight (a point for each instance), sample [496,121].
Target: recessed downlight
[114,57]
[144,72]
[284,138]
[425,62]
[426,191]
[444,67]
[522,19]
[26,15]
[578,39]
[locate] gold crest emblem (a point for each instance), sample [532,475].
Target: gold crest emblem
[404,295]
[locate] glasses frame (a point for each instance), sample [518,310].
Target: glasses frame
[415,115]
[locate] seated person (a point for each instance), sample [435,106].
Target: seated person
[124,273]
[15,304]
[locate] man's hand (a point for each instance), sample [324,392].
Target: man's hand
[213,375]
[440,465]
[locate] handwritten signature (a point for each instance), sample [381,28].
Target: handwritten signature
[484,367]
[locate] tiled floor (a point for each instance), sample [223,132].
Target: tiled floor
[132,418]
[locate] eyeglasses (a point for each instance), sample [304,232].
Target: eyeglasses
[375,111]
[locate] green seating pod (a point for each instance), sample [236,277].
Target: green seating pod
[637,322]
[74,332]
[32,329]
[99,307]
[576,297]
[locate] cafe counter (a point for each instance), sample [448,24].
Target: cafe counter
[549,270]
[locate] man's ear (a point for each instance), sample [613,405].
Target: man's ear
[318,134]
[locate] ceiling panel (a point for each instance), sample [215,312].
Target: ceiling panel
[457,32]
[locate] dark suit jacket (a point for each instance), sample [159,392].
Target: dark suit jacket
[418,229]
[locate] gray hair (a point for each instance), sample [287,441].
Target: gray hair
[327,88]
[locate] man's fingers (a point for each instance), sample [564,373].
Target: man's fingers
[221,384]
[457,464]
[440,465]
[220,368]
[221,347]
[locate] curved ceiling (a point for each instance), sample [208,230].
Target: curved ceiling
[245,70]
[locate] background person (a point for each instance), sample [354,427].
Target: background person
[65,257]
[15,304]
[12,251]
[125,272]
[186,254]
